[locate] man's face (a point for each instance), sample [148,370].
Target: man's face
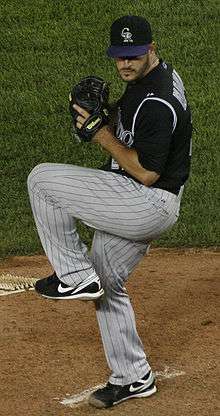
[132,68]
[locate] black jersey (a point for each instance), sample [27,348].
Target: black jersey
[154,118]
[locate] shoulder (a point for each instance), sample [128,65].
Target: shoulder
[154,106]
[154,113]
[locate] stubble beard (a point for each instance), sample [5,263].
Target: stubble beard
[134,75]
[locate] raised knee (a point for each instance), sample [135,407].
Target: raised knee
[36,175]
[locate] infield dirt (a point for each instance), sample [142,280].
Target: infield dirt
[50,350]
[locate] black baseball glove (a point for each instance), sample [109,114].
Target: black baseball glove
[92,94]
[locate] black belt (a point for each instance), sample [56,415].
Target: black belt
[173,190]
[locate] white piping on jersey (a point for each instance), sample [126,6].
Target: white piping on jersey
[162,101]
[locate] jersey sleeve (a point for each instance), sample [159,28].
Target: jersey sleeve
[153,129]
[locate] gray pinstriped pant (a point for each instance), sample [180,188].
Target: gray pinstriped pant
[126,216]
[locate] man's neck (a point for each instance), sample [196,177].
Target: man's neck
[154,62]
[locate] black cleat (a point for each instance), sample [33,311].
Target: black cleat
[113,394]
[43,284]
[52,288]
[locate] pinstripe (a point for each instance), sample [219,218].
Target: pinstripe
[131,356]
[105,310]
[40,229]
[128,336]
[57,237]
[49,249]
[121,346]
[107,307]
[126,216]
[109,342]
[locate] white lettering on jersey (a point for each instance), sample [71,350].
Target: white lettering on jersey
[125,136]
[178,89]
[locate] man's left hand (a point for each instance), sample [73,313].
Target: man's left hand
[88,107]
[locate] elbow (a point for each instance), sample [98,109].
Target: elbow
[149,178]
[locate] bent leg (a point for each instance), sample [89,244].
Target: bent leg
[103,200]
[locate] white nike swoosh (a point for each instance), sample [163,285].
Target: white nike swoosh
[62,289]
[133,389]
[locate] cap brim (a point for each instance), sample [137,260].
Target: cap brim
[132,50]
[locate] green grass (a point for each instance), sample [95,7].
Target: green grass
[48,45]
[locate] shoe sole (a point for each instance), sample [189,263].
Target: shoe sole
[80,296]
[99,404]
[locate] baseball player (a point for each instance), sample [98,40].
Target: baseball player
[129,203]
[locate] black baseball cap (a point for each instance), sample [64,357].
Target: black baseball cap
[130,36]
